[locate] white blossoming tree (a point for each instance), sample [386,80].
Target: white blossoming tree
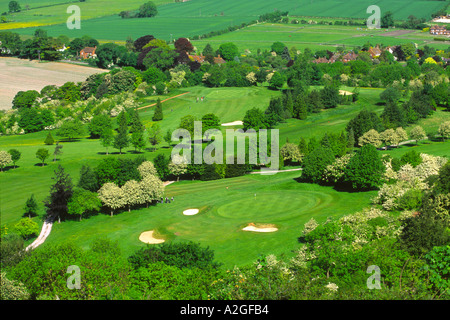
[178,165]
[146,169]
[112,196]
[133,194]
[444,130]
[370,137]
[417,133]
[5,158]
[389,137]
[152,188]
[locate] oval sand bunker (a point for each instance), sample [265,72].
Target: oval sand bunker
[190,212]
[261,228]
[147,237]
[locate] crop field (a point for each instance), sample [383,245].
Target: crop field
[100,19]
[35,76]
[316,37]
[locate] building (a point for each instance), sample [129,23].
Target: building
[88,52]
[375,52]
[439,30]
[351,56]
[198,58]
[321,60]
[219,60]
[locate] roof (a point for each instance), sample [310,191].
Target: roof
[219,60]
[198,58]
[89,49]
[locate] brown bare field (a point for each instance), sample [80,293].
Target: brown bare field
[21,75]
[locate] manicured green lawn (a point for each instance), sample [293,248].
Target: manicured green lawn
[279,200]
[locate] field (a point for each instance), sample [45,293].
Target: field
[197,17]
[35,75]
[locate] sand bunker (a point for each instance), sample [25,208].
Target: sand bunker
[260,228]
[190,212]
[234,123]
[342,92]
[147,237]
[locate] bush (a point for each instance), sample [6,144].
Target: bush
[181,255]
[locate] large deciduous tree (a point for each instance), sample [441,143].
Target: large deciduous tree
[112,196]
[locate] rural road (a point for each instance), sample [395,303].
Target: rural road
[154,104]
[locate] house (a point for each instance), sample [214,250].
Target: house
[88,52]
[375,52]
[335,57]
[321,60]
[351,56]
[219,60]
[198,58]
[439,30]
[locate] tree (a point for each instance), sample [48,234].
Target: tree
[49,139]
[152,188]
[168,136]
[255,119]
[147,10]
[25,99]
[161,164]
[365,169]
[5,159]
[146,169]
[417,133]
[26,228]
[291,153]
[444,130]
[15,156]
[71,129]
[183,44]
[83,201]
[14,6]
[177,165]
[315,163]
[187,123]
[393,115]
[158,114]
[389,137]
[277,81]
[210,121]
[132,194]
[228,51]
[138,140]
[42,154]
[277,47]
[330,97]
[99,123]
[121,140]
[387,20]
[363,122]
[107,138]
[57,151]
[60,193]
[154,135]
[88,179]
[112,196]
[391,94]
[30,120]
[31,207]
[370,137]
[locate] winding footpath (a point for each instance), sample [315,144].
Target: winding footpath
[45,231]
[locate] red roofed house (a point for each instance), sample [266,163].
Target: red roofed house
[219,60]
[349,57]
[88,52]
[439,30]
[199,59]
[375,52]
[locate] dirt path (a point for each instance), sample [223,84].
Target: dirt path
[45,231]
[154,104]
